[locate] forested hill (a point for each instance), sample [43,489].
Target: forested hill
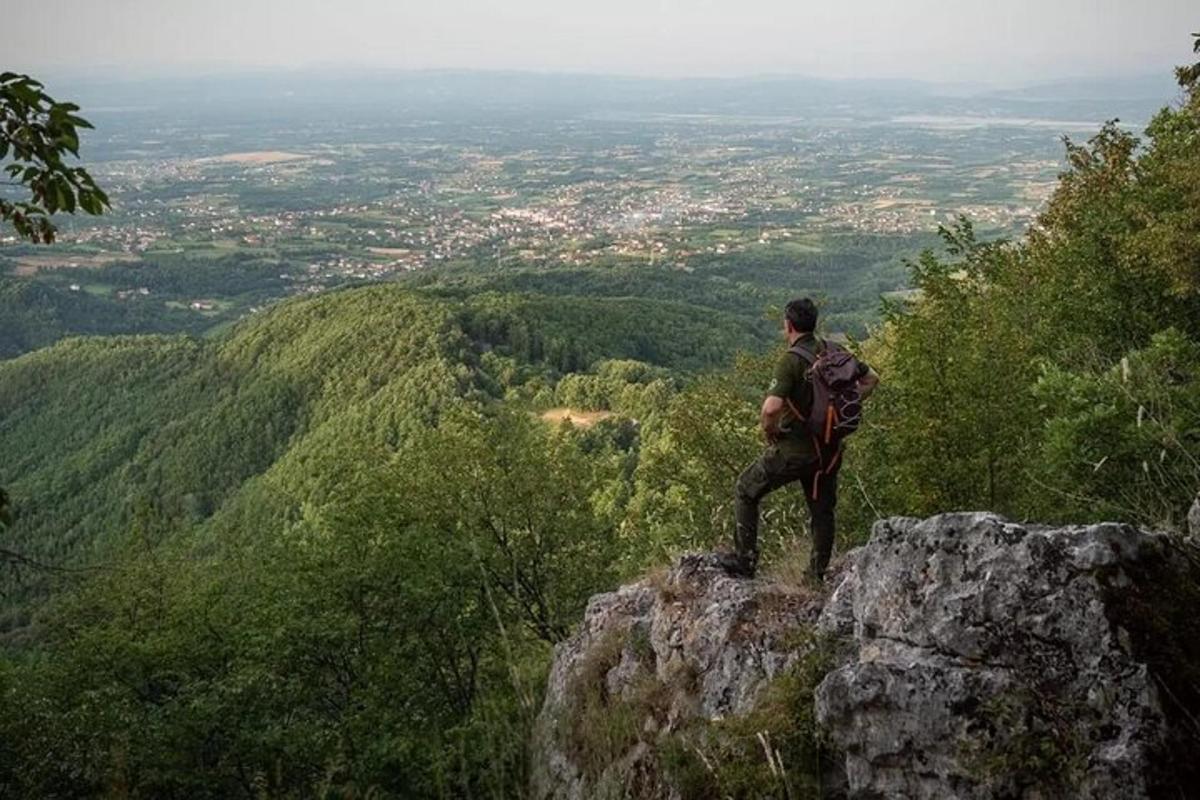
[391,447]
[184,421]
[99,430]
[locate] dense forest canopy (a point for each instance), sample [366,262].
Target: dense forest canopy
[327,552]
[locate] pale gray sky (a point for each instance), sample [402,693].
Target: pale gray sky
[957,40]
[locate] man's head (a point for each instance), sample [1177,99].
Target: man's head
[800,316]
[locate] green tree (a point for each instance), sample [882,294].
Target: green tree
[1189,76]
[520,495]
[947,428]
[1124,440]
[1001,387]
[36,135]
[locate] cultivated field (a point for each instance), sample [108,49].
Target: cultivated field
[31,265]
[253,157]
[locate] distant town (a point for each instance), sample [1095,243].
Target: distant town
[660,190]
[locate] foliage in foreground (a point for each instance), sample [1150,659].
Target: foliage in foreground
[1055,378]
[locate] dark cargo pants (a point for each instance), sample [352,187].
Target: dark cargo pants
[776,468]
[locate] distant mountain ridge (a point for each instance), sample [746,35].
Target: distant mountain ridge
[440,92]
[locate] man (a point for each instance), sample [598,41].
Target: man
[792,454]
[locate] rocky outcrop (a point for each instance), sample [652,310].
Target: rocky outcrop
[961,656]
[690,644]
[1193,519]
[992,660]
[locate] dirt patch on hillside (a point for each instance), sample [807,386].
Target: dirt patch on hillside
[580,419]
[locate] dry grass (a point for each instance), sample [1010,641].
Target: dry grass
[776,750]
[656,578]
[599,727]
[790,567]
[677,592]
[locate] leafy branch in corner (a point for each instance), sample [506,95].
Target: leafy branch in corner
[1190,76]
[36,134]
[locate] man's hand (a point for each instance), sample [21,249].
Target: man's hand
[867,384]
[772,408]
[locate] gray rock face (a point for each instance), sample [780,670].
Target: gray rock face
[977,658]
[986,666]
[1194,519]
[690,644]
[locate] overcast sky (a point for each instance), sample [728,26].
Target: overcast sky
[975,40]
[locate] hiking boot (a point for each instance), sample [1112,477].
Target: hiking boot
[736,566]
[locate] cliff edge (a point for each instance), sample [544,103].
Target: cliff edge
[960,656]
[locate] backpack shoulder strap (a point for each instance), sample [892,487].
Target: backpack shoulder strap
[804,353]
[809,355]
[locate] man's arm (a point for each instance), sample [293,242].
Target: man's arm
[772,409]
[781,386]
[867,383]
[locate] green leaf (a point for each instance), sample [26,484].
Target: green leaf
[89,202]
[25,94]
[70,141]
[66,195]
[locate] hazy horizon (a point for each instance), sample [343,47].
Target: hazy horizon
[1020,42]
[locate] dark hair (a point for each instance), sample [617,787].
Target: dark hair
[802,313]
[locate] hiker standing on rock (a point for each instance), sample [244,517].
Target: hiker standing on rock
[814,402]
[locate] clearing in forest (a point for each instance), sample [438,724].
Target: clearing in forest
[581,419]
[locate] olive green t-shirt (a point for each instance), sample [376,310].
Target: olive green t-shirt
[792,383]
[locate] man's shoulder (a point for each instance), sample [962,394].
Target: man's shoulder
[787,357]
[790,361]
[787,367]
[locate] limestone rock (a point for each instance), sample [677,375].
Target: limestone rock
[987,663]
[690,644]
